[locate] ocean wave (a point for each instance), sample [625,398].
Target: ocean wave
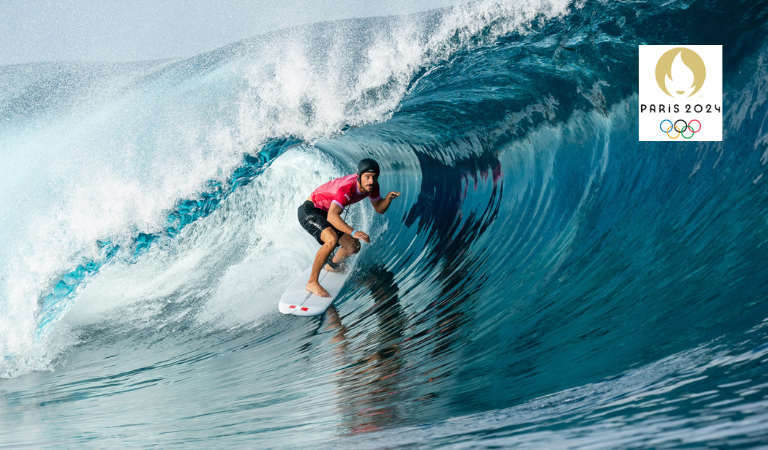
[542,266]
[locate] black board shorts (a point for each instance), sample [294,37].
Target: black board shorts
[315,220]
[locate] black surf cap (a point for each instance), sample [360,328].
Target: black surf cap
[367,165]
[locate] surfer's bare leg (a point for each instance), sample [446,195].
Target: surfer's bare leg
[349,246]
[330,239]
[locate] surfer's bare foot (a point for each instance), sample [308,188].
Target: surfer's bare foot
[315,288]
[328,268]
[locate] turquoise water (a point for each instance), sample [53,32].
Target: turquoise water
[545,280]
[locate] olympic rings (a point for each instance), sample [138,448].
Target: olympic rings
[670,126]
[685,125]
[680,131]
[689,126]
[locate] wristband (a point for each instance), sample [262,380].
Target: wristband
[353,233]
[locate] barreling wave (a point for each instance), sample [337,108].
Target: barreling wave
[544,277]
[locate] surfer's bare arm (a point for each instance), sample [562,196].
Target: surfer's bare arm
[334,218]
[382,205]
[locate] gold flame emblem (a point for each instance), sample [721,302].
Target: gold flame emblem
[680,72]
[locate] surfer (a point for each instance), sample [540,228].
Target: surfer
[320,215]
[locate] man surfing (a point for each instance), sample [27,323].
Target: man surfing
[320,215]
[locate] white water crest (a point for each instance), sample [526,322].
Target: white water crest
[102,152]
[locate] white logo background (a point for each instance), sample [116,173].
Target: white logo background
[708,100]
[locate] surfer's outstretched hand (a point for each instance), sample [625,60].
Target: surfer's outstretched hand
[361,235]
[393,195]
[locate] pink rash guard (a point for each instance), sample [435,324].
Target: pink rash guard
[342,191]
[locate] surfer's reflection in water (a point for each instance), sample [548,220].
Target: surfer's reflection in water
[368,384]
[373,367]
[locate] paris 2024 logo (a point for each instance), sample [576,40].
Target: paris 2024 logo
[680,93]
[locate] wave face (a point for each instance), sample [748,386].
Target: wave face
[545,280]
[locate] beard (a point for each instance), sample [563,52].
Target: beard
[364,189]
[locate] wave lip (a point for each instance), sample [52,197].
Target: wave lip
[57,303]
[116,146]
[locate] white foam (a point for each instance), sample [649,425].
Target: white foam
[229,268]
[248,291]
[113,154]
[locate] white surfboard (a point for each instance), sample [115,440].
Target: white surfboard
[298,301]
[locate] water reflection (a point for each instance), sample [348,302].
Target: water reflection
[371,366]
[453,233]
[370,352]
